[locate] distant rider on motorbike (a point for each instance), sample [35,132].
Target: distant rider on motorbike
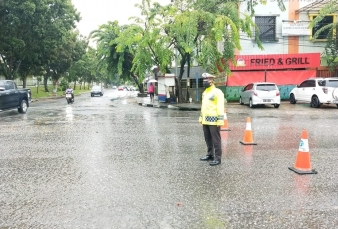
[70,91]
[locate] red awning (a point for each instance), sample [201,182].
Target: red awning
[277,77]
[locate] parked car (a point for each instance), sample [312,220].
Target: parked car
[114,87]
[257,93]
[96,90]
[13,98]
[120,88]
[316,91]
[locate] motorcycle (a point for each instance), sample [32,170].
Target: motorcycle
[69,98]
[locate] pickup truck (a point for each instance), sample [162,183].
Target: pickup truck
[13,98]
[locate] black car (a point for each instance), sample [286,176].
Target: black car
[96,90]
[13,98]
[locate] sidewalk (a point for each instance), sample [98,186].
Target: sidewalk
[145,101]
[194,106]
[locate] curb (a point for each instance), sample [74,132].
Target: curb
[189,109]
[237,103]
[169,107]
[55,97]
[155,106]
[46,98]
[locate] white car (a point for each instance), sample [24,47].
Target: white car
[316,91]
[260,93]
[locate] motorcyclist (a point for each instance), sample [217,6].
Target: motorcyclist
[69,90]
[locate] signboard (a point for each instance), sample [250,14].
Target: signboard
[276,61]
[295,28]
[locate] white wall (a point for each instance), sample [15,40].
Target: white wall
[249,46]
[30,81]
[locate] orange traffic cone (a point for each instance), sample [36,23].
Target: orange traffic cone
[225,126]
[248,140]
[302,165]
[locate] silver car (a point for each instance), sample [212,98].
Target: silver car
[96,90]
[259,93]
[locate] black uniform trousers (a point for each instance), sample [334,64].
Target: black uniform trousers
[212,136]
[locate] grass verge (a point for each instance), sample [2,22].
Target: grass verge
[39,92]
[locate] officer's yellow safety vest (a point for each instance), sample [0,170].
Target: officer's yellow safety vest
[212,110]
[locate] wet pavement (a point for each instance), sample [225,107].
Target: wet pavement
[107,162]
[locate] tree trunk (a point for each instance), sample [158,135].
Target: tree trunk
[24,82]
[182,63]
[74,85]
[139,85]
[140,88]
[45,79]
[188,78]
[55,91]
[178,91]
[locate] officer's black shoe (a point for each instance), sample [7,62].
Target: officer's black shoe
[207,158]
[215,162]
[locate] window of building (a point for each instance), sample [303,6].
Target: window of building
[184,83]
[267,28]
[328,19]
[193,83]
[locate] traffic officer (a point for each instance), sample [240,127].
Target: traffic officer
[212,118]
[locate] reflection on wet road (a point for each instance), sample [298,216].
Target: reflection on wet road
[106,162]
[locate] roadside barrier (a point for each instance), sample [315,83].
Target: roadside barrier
[303,165]
[248,139]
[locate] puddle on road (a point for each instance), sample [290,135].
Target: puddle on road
[239,114]
[40,122]
[265,116]
[69,113]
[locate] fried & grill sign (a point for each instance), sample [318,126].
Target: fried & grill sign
[279,61]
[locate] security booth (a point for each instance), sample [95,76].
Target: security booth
[166,88]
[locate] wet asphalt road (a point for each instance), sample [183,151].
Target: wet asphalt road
[106,162]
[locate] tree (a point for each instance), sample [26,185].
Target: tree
[65,54]
[194,28]
[193,32]
[116,46]
[88,65]
[29,29]
[330,53]
[79,65]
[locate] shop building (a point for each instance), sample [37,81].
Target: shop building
[290,55]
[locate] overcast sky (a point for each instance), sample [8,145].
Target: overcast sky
[97,12]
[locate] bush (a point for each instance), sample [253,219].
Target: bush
[63,85]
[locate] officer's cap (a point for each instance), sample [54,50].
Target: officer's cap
[207,76]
